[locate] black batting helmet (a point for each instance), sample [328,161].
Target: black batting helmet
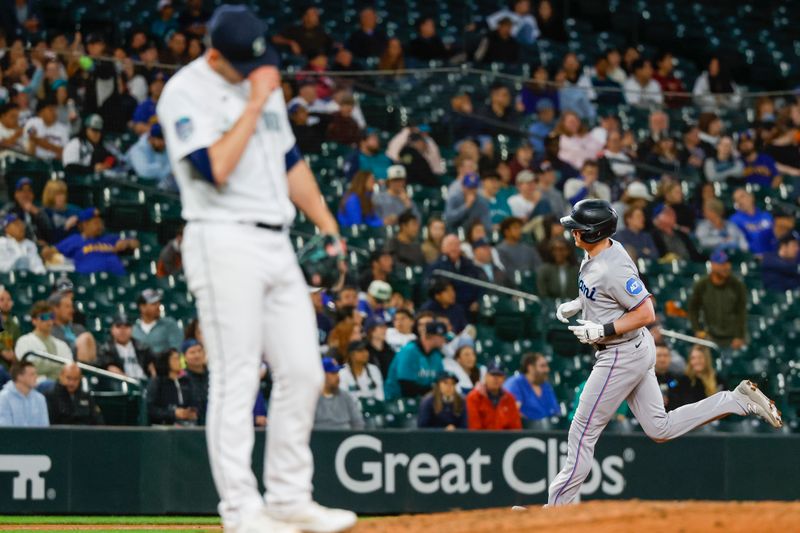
[594,219]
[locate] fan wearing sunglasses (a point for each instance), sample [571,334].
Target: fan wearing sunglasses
[42,339]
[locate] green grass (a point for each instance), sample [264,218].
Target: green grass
[121,520]
[73,523]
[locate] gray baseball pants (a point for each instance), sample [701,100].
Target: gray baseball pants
[626,372]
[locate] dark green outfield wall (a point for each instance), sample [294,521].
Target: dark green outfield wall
[158,471]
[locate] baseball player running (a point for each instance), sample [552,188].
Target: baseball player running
[616,307]
[240,172]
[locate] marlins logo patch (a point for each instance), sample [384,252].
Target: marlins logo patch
[633,286]
[184,128]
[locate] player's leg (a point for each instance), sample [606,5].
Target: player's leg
[647,405]
[225,283]
[610,382]
[291,349]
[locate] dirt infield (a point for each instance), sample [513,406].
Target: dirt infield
[596,517]
[606,517]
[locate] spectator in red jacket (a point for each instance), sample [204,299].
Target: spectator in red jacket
[490,407]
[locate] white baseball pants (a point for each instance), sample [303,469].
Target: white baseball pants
[626,372]
[253,303]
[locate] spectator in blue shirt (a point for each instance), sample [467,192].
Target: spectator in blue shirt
[356,207]
[576,90]
[443,407]
[21,405]
[543,125]
[781,270]
[145,114]
[376,301]
[148,156]
[532,390]
[536,90]
[415,367]
[756,224]
[759,168]
[465,206]
[91,250]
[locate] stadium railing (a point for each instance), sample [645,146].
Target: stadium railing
[123,400]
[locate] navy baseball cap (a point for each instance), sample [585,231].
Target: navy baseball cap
[719,257]
[189,343]
[494,369]
[479,243]
[446,375]
[9,218]
[241,38]
[373,322]
[88,214]
[471,181]
[436,328]
[23,181]
[156,131]
[121,319]
[357,346]
[330,366]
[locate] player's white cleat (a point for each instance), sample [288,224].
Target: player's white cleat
[261,523]
[314,518]
[758,403]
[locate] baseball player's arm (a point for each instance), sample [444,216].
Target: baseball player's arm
[225,153]
[304,193]
[642,316]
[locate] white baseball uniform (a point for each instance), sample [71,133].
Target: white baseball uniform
[251,295]
[609,287]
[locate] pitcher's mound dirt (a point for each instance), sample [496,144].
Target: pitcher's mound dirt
[605,517]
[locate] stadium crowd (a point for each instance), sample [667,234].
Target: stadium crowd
[64,97]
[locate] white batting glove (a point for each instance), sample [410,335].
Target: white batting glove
[588,332]
[568,309]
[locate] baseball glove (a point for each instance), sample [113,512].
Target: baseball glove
[323,261]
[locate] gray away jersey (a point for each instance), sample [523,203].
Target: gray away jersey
[609,286]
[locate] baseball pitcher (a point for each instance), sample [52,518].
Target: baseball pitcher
[241,175]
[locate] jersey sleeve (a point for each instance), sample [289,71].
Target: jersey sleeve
[188,123]
[626,287]
[69,246]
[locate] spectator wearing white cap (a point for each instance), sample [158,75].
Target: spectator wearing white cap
[376,300]
[635,195]
[528,202]
[389,204]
